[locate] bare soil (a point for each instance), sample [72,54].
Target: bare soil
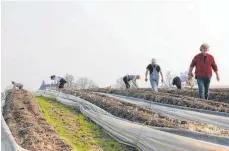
[214,94]
[141,115]
[172,98]
[28,125]
[219,89]
[220,95]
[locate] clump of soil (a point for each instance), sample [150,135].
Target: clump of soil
[174,99]
[141,115]
[28,125]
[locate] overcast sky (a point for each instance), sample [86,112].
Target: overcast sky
[106,40]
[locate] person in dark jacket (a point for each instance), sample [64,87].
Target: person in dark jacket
[204,64]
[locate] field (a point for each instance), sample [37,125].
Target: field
[46,125]
[39,123]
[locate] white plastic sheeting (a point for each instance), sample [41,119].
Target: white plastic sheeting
[8,143]
[219,120]
[143,137]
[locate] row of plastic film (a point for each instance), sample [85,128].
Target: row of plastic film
[8,142]
[140,136]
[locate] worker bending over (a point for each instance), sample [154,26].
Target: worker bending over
[59,81]
[132,78]
[182,79]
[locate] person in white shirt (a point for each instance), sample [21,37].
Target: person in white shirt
[17,85]
[178,81]
[133,78]
[58,81]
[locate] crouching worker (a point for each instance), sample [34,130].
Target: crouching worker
[17,85]
[132,78]
[179,80]
[58,81]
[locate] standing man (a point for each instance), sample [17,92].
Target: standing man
[133,78]
[58,81]
[204,64]
[154,69]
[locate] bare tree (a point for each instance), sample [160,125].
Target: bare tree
[69,78]
[91,84]
[85,83]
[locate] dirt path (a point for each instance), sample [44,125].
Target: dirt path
[28,125]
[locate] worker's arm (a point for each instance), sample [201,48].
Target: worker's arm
[146,74]
[162,78]
[188,81]
[215,68]
[134,81]
[56,81]
[193,64]
[217,75]
[190,73]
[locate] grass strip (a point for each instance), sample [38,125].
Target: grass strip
[76,129]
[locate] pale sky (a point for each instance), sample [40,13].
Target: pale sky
[106,40]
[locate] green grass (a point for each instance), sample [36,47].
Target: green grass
[77,130]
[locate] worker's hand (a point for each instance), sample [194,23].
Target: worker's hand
[146,79]
[217,77]
[188,82]
[189,77]
[162,80]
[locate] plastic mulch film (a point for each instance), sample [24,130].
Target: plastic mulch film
[221,120]
[8,143]
[137,135]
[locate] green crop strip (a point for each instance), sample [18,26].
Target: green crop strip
[77,130]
